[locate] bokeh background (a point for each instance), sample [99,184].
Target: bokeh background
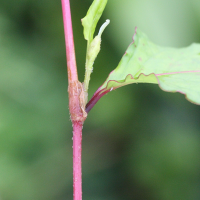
[139,143]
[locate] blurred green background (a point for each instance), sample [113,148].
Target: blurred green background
[139,143]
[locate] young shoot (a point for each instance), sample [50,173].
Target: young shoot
[92,52]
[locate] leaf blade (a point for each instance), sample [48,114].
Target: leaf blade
[92,17]
[175,70]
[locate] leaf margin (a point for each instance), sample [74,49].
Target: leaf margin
[104,88]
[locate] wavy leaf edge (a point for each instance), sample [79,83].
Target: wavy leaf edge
[101,92]
[129,78]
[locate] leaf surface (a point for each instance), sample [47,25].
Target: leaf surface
[175,70]
[90,21]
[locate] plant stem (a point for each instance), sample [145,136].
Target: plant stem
[69,41]
[76,100]
[77,178]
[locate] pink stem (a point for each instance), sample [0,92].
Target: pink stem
[76,100]
[77,178]
[69,41]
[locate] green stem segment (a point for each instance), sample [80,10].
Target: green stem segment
[93,49]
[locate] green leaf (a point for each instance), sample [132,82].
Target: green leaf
[90,21]
[175,70]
